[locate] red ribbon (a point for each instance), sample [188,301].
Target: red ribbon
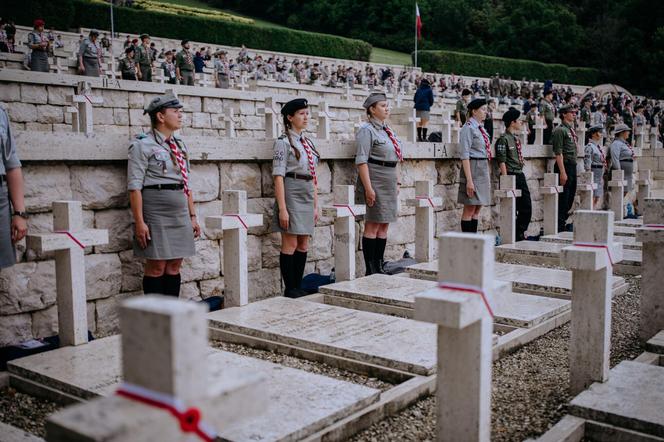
[347,207]
[467,289]
[513,193]
[596,246]
[426,198]
[87,98]
[654,226]
[73,238]
[235,215]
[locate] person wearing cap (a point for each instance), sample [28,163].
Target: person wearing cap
[13,217]
[184,65]
[509,155]
[379,152]
[461,109]
[158,175]
[475,153]
[296,194]
[549,113]
[168,68]
[622,154]
[40,46]
[89,55]
[594,161]
[127,65]
[565,144]
[221,71]
[144,59]
[423,101]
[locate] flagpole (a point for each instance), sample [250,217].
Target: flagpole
[415,34]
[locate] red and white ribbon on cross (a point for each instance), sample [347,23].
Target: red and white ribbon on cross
[72,237]
[87,98]
[596,246]
[189,418]
[239,217]
[513,193]
[424,197]
[467,288]
[654,226]
[346,206]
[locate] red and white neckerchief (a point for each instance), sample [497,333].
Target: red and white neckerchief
[518,149]
[631,149]
[397,149]
[181,162]
[310,158]
[601,155]
[573,134]
[487,142]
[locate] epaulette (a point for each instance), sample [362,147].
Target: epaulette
[141,136]
[282,137]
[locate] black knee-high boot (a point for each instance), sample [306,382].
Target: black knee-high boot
[474,225]
[419,134]
[172,285]
[467,226]
[424,133]
[379,253]
[300,259]
[286,267]
[153,285]
[368,250]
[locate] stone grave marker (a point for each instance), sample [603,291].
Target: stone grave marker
[539,127]
[83,100]
[550,190]
[643,185]
[628,242]
[640,137]
[230,122]
[324,120]
[270,111]
[424,203]
[585,188]
[446,130]
[617,193]
[407,118]
[581,130]
[507,195]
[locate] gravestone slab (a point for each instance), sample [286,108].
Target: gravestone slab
[13,434]
[509,308]
[299,403]
[628,242]
[525,279]
[631,398]
[388,341]
[622,230]
[656,343]
[638,222]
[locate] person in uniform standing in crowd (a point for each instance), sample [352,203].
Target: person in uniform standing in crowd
[488,119]
[594,161]
[475,153]
[168,69]
[184,65]
[160,197]
[549,113]
[622,155]
[13,217]
[40,46]
[127,65]
[423,101]
[379,152]
[565,142]
[221,71]
[509,155]
[461,108]
[144,59]
[89,55]
[296,194]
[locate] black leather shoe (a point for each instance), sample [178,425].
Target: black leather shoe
[295,293]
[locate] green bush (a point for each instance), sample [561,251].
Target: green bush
[56,14]
[486,66]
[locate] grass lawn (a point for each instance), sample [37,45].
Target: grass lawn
[379,55]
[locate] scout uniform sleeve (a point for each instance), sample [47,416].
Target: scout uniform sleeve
[136,166]
[280,157]
[588,157]
[178,60]
[9,156]
[558,141]
[81,48]
[465,142]
[501,150]
[363,141]
[459,107]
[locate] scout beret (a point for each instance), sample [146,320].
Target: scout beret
[38,22]
[510,115]
[567,109]
[293,106]
[476,103]
[593,129]
[142,36]
[129,49]
[620,128]
[94,32]
[184,42]
[168,100]
[373,99]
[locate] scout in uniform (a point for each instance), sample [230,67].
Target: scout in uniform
[423,101]
[548,112]
[144,59]
[509,155]
[379,151]
[127,65]
[168,69]
[461,108]
[161,199]
[184,65]
[475,153]
[296,194]
[564,142]
[221,71]
[40,46]
[13,222]
[622,154]
[89,53]
[594,161]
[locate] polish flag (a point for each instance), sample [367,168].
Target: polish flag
[418,22]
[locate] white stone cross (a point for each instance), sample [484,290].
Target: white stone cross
[446,131]
[654,134]
[523,135]
[639,137]
[164,350]
[230,121]
[539,127]
[399,98]
[617,193]
[549,191]
[591,259]
[581,138]
[652,281]
[424,203]
[507,195]
[409,119]
[69,241]
[205,80]
[271,114]
[324,120]
[84,100]
[242,84]
[586,187]
[460,306]
[344,212]
[643,187]
[234,223]
[348,94]
[456,130]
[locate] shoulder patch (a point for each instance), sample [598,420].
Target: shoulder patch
[282,137]
[141,136]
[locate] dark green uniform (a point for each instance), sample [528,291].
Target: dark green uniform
[462,108]
[185,62]
[508,148]
[144,60]
[564,142]
[127,67]
[549,114]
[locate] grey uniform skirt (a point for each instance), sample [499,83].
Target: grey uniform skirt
[300,206]
[384,183]
[628,168]
[598,179]
[39,61]
[91,66]
[166,212]
[479,170]
[224,82]
[7,253]
[422,114]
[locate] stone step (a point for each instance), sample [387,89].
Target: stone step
[628,242]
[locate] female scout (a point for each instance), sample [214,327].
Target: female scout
[296,193]
[378,153]
[39,44]
[595,161]
[475,151]
[423,101]
[622,154]
[221,70]
[89,63]
[160,198]
[128,66]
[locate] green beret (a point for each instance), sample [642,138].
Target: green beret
[510,115]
